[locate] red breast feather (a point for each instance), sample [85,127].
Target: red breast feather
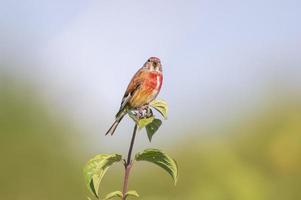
[148,90]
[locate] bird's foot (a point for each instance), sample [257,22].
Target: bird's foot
[144,112]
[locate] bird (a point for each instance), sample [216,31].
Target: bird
[143,88]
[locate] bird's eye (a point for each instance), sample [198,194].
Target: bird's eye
[148,60]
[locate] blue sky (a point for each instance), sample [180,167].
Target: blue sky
[219,57]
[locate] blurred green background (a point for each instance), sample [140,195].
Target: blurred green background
[232,80]
[257,157]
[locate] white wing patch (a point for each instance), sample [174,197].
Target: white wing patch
[125,100]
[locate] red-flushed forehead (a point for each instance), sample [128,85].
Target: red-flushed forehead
[155,59]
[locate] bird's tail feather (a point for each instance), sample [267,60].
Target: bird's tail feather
[115,124]
[112,128]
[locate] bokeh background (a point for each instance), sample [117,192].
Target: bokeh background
[232,80]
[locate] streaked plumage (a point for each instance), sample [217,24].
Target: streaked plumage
[142,89]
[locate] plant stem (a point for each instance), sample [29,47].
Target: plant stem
[128,165]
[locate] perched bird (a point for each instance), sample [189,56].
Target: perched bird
[142,89]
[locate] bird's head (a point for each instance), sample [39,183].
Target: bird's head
[153,64]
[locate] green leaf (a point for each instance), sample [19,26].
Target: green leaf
[132,193]
[161,106]
[113,194]
[132,115]
[161,159]
[145,121]
[96,168]
[152,128]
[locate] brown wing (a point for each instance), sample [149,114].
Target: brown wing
[134,84]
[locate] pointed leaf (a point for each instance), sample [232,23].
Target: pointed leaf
[152,128]
[132,193]
[161,159]
[113,194]
[161,106]
[96,168]
[145,121]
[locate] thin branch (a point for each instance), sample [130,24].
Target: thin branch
[128,164]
